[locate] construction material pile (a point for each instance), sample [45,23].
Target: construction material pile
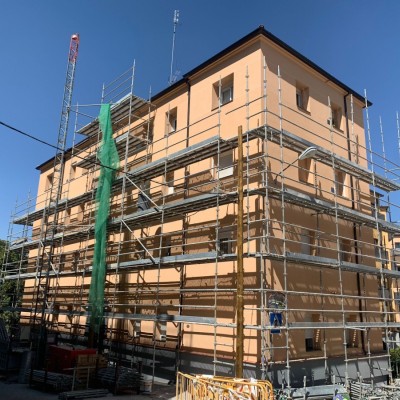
[50,380]
[119,379]
[365,391]
[83,394]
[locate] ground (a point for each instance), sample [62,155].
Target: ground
[11,390]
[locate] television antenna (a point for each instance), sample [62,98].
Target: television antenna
[172,78]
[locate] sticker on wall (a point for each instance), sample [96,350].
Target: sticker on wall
[275,320]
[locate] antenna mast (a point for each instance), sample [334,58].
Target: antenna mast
[176,20]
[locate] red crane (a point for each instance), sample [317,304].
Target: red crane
[49,230]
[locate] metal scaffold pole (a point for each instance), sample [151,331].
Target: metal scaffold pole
[239,273]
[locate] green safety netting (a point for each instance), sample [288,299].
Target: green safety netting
[108,157]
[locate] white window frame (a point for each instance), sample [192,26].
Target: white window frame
[226,95]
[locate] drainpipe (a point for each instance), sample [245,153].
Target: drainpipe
[360,308]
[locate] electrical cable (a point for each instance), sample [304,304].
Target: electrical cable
[54,147]
[29,136]
[75,155]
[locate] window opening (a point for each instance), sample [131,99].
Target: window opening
[312,335]
[307,241]
[225,167]
[345,250]
[336,115]
[302,96]
[305,170]
[225,241]
[351,334]
[49,182]
[171,121]
[169,183]
[219,98]
[340,180]
[143,201]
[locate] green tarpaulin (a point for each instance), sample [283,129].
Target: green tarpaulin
[108,157]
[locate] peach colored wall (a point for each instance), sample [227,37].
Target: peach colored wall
[155,291]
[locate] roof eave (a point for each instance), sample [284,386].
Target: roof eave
[260,31]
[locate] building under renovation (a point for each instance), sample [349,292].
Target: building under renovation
[245,205]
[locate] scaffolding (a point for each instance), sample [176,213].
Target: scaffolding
[319,271]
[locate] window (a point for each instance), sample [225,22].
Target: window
[345,250]
[62,263]
[75,261]
[143,196]
[397,245]
[72,173]
[309,344]
[225,167]
[137,328]
[305,169]
[225,241]
[340,183]
[381,253]
[312,335]
[351,334]
[226,95]
[81,212]
[67,218]
[224,245]
[161,327]
[336,117]
[166,246]
[384,293]
[148,132]
[302,96]
[171,119]
[385,257]
[49,182]
[397,299]
[377,249]
[222,92]
[169,183]
[307,242]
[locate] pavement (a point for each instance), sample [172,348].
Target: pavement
[10,390]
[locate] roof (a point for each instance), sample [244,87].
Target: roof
[262,32]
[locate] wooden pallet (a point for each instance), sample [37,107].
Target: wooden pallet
[86,367]
[95,360]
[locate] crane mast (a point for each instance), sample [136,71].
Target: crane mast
[49,225]
[66,106]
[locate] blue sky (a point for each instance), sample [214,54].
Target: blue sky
[356,41]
